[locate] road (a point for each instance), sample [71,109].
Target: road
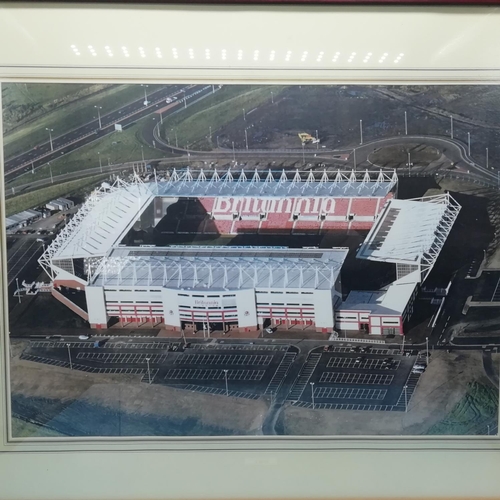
[74,139]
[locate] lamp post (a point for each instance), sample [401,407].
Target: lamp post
[99,115]
[403,346]
[468,142]
[246,138]
[487,158]
[142,153]
[100,161]
[406,398]
[185,101]
[354,159]
[272,98]
[146,102]
[427,349]
[406,124]
[244,115]
[149,371]
[161,118]
[50,130]
[210,133]
[360,131]
[51,178]
[451,127]
[69,355]
[217,141]
[18,292]
[183,336]
[225,378]
[409,164]
[317,140]
[312,393]
[303,154]
[234,154]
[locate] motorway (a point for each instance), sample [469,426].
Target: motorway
[74,139]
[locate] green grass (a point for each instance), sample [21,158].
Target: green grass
[22,429]
[215,111]
[75,114]
[477,409]
[29,200]
[119,147]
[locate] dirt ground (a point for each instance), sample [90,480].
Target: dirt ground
[128,395]
[440,388]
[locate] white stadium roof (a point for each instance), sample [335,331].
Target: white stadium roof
[278,184]
[221,268]
[411,231]
[391,299]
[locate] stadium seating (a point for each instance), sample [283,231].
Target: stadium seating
[330,225]
[364,206]
[341,207]
[246,226]
[305,225]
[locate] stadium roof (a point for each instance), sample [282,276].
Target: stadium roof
[96,227]
[411,231]
[277,184]
[392,299]
[221,268]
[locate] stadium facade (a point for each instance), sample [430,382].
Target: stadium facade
[242,287]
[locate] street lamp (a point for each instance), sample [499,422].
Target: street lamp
[183,336]
[149,371]
[69,355]
[403,346]
[312,393]
[99,114]
[51,178]
[185,102]
[406,398]
[427,349]
[303,154]
[50,130]
[272,98]
[100,161]
[406,124]
[246,138]
[146,102]
[234,154]
[225,378]
[354,159]
[218,141]
[18,292]
[142,153]
[361,131]
[468,141]
[244,116]
[317,140]
[451,126]
[487,158]
[176,142]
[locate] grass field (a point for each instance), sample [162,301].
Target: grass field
[117,147]
[215,111]
[30,200]
[22,429]
[397,156]
[70,116]
[473,413]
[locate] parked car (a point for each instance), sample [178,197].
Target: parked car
[359,359]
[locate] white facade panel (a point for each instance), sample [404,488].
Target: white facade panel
[375,330]
[96,305]
[246,307]
[323,308]
[171,307]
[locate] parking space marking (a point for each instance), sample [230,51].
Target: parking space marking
[366,364]
[192,374]
[343,393]
[213,390]
[223,359]
[356,378]
[52,344]
[391,352]
[241,347]
[110,357]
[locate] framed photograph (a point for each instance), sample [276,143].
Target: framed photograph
[237,241]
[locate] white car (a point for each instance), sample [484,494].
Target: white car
[84,337]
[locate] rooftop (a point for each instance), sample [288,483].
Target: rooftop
[411,231]
[277,184]
[221,268]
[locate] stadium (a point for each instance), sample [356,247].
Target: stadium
[240,252]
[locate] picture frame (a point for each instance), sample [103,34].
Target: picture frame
[465,55]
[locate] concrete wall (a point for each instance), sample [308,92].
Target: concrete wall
[171,308]
[247,309]
[323,309]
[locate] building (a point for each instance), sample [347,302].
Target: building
[247,287]
[244,287]
[21,219]
[411,235]
[60,204]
